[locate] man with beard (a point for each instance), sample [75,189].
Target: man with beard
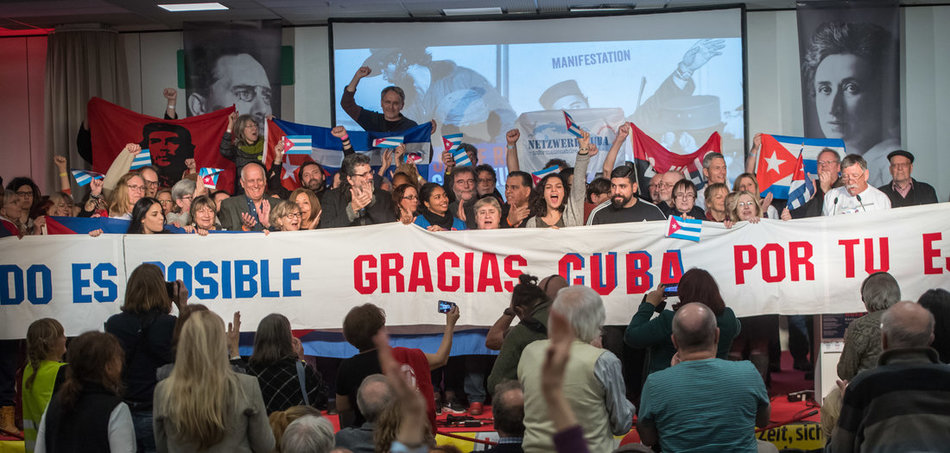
[624,206]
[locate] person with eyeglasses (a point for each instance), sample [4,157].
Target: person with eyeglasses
[903,189]
[242,143]
[128,191]
[183,194]
[406,203]
[27,197]
[684,199]
[356,201]
[743,207]
[855,195]
[164,198]
[285,217]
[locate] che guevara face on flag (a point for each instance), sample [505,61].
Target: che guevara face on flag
[170,146]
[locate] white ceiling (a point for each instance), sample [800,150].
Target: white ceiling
[140,15]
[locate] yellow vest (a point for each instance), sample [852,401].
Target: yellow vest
[36,398]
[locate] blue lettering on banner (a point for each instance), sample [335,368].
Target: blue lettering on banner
[103,276]
[36,284]
[238,279]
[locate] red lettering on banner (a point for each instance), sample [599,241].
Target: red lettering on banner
[884,257]
[510,271]
[390,268]
[489,274]
[848,255]
[599,271]
[639,279]
[799,255]
[469,272]
[930,252]
[567,264]
[443,271]
[672,267]
[745,259]
[420,275]
[364,283]
[778,254]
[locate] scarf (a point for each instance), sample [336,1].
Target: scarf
[444,221]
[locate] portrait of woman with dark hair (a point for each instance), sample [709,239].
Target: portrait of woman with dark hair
[850,72]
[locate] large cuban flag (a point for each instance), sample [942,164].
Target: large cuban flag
[778,160]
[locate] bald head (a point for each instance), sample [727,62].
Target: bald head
[694,328]
[373,395]
[907,325]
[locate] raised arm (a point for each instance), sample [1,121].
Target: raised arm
[171,95]
[512,137]
[348,101]
[441,357]
[60,162]
[611,158]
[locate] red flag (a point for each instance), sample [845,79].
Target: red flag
[170,142]
[662,160]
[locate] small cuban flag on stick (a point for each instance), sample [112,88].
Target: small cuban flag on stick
[681,228]
[209,176]
[801,188]
[540,174]
[388,142]
[142,159]
[453,144]
[413,158]
[84,177]
[297,144]
[572,127]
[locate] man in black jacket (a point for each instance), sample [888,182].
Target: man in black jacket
[904,190]
[356,202]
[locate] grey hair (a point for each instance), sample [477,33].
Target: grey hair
[248,165]
[308,434]
[182,188]
[903,334]
[852,159]
[693,337]
[372,406]
[584,309]
[833,152]
[879,291]
[708,158]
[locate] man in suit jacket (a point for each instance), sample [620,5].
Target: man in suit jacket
[250,211]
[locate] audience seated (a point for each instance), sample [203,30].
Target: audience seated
[938,302]
[702,403]
[900,405]
[278,363]
[508,412]
[308,434]
[280,420]
[373,396]
[593,382]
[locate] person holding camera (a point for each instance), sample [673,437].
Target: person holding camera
[696,285]
[145,329]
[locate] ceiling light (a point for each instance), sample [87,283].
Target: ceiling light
[601,8]
[471,11]
[181,7]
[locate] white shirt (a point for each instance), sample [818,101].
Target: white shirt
[838,201]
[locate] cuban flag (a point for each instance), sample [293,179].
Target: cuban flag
[84,177]
[209,176]
[327,150]
[297,144]
[414,158]
[801,188]
[387,142]
[680,228]
[142,159]
[777,161]
[572,127]
[452,143]
[537,176]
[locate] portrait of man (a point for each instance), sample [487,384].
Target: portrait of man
[234,65]
[170,146]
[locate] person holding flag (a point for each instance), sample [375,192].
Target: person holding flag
[242,143]
[554,207]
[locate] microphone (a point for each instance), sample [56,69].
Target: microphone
[834,206]
[862,203]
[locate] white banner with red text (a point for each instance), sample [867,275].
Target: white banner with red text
[314,277]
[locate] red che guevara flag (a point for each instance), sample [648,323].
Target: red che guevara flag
[647,150]
[170,142]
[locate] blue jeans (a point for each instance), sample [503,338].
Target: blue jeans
[144,431]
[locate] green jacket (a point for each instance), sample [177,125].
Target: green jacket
[655,334]
[506,365]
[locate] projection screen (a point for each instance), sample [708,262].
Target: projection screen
[677,75]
